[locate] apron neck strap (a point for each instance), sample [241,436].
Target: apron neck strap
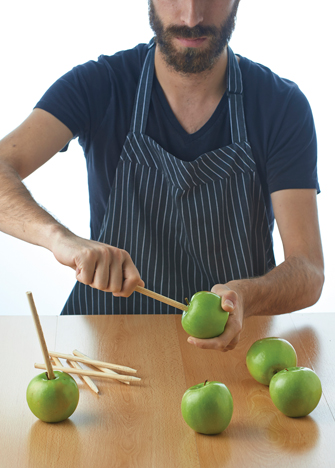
[143,95]
[235,100]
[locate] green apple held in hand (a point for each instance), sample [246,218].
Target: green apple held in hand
[204,317]
[52,400]
[295,391]
[268,356]
[207,407]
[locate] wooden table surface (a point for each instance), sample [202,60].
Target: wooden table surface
[140,425]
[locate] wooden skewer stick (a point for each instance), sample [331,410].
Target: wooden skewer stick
[56,362]
[107,365]
[86,379]
[159,297]
[89,382]
[103,375]
[102,369]
[50,372]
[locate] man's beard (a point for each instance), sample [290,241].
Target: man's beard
[192,60]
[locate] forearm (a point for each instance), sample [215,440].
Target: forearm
[99,265]
[293,285]
[20,215]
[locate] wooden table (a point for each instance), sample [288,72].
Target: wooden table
[140,425]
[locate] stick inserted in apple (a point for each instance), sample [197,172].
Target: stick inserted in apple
[51,396]
[204,317]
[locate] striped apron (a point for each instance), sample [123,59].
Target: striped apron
[186,225]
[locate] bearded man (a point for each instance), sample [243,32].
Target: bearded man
[192,153]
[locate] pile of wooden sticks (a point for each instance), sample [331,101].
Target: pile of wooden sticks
[104,369]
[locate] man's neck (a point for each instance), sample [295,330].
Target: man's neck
[192,97]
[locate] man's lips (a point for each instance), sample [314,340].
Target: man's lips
[191,42]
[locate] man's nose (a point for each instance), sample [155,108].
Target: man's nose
[192,12]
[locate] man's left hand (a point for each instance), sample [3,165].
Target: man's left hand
[232,303]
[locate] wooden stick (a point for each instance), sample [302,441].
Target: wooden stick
[103,375]
[50,372]
[93,362]
[56,362]
[86,379]
[159,297]
[102,369]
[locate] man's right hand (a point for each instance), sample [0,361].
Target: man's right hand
[98,265]
[24,150]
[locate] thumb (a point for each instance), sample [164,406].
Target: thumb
[229,297]
[227,304]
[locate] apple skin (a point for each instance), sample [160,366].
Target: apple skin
[204,317]
[52,400]
[295,391]
[207,408]
[268,356]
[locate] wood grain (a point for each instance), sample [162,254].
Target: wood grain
[316,333]
[141,425]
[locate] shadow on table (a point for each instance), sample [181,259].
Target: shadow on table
[50,443]
[46,441]
[310,343]
[258,422]
[294,435]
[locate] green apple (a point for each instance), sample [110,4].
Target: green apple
[207,407]
[295,391]
[268,356]
[52,400]
[204,317]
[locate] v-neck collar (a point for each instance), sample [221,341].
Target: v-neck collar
[174,121]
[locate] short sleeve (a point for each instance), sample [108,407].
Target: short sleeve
[292,145]
[79,99]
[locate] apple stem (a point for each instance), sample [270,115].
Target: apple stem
[205,382]
[187,302]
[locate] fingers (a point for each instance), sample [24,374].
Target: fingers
[93,267]
[225,342]
[124,276]
[115,273]
[98,265]
[231,302]
[108,269]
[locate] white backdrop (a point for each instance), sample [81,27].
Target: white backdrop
[42,40]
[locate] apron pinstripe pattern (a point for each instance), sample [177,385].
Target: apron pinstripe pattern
[186,225]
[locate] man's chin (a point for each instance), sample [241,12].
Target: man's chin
[188,60]
[189,63]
